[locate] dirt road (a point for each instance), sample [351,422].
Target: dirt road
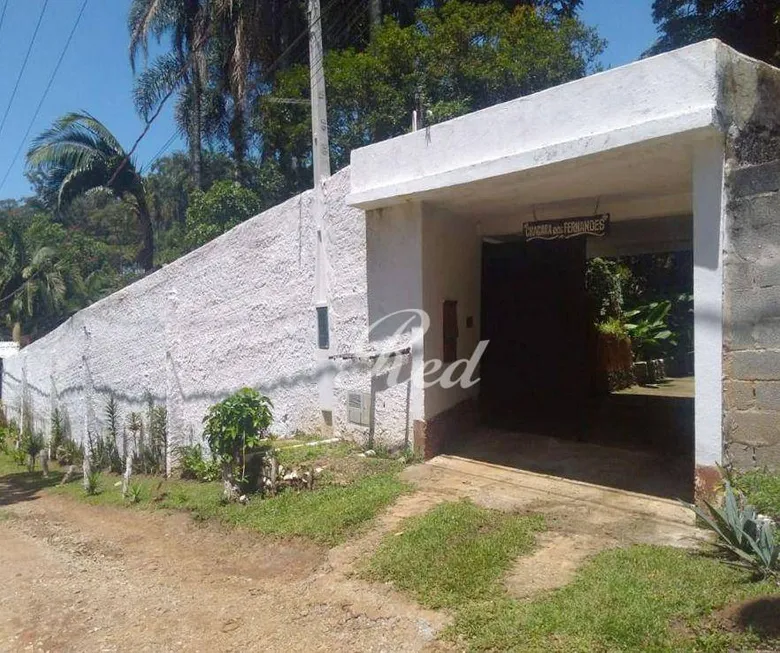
[75,577]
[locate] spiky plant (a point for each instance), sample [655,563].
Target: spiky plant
[78,154]
[742,534]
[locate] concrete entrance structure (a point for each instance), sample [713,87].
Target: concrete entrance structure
[693,133]
[682,150]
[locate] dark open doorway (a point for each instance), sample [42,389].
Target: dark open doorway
[543,405]
[534,372]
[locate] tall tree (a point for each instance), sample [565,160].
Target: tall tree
[459,58]
[78,154]
[750,26]
[185,68]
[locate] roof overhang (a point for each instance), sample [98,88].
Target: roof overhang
[652,100]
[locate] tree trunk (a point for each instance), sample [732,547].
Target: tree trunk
[196,137]
[146,254]
[230,490]
[128,473]
[375,15]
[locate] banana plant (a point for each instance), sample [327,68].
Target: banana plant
[648,328]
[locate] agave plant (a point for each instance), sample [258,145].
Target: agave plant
[742,533]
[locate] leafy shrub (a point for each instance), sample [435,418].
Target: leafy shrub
[92,485]
[135,493]
[742,534]
[211,213]
[604,282]
[31,445]
[649,330]
[613,327]
[235,426]
[194,465]
[57,435]
[150,440]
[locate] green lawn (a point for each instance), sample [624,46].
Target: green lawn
[762,490]
[641,598]
[350,494]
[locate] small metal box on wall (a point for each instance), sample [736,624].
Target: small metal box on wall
[359,408]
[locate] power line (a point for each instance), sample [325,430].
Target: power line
[24,65]
[45,92]
[2,14]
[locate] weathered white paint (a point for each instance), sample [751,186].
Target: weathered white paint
[708,209]
[8,349]
[452,270]
[651,99]
[237,312]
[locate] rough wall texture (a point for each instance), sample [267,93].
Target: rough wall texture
[751,307]
[237,312]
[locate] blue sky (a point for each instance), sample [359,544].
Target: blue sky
[96,76]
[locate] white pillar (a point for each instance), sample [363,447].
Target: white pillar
[708,210]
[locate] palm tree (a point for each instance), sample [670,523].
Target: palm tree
[187,23]
[33,283]
[78,154]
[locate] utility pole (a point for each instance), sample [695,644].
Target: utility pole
[321,165]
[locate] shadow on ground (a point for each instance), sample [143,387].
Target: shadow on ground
[23,486]
[761,616]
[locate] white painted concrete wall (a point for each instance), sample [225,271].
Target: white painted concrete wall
[653,98]
[237,312]
[452,270]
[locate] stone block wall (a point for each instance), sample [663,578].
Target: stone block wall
[751,265]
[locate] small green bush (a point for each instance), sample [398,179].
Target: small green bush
[135,493]
[92,485]
[613,327]
[194,465]
[233,428]
[32,444]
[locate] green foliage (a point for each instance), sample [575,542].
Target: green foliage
[194,465]
[57,434]
[135,493]
[339,506]
[749,540]
[77,155]
[604,281]
[762,490]
[613,327]
[236,425]
[225,205]
[32,444]
[649,330]
[454,58]
[750,26]
[92,484]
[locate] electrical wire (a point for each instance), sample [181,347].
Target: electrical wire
[45,92]
[2,13]
[24,65]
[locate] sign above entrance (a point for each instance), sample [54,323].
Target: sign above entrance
[594,225]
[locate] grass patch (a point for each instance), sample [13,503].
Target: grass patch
[350,494]
[453,554]
[642,598]
[762,490]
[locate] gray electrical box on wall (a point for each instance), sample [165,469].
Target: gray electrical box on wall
[359,408]
[323,329]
